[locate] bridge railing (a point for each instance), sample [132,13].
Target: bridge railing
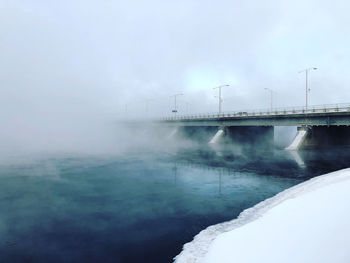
[314,109]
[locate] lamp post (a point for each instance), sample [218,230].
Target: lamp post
[307,90]
[220,99]
[271,96]
[175,96]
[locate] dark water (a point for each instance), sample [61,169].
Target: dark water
[137,207]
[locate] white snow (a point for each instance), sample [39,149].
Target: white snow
[309,222]
[298,140]
[217,136]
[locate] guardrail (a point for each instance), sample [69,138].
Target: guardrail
[342,107]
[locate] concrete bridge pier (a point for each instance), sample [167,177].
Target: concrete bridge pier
[299,139]
[218,135]
[323,137]
[173,132]
[313,137]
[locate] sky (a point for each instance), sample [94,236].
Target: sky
[66,62]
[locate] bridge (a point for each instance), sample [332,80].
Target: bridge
[318,126]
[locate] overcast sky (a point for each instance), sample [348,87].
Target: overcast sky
[76,59]
[104,54]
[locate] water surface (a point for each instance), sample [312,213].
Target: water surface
[137,207]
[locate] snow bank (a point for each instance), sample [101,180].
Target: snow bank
[309,222]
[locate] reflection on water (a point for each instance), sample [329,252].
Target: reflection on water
[138,208]
[297,158]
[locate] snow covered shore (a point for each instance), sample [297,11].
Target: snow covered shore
[309,222]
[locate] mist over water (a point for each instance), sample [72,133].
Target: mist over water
[137,206]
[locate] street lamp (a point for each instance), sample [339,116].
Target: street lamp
[271,96]
[175,96]
[220,99]
[307,90]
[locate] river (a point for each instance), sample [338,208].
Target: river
[137,206]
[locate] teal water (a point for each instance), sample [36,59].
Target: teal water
[136,207]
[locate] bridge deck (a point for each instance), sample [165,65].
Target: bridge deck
[316,116]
